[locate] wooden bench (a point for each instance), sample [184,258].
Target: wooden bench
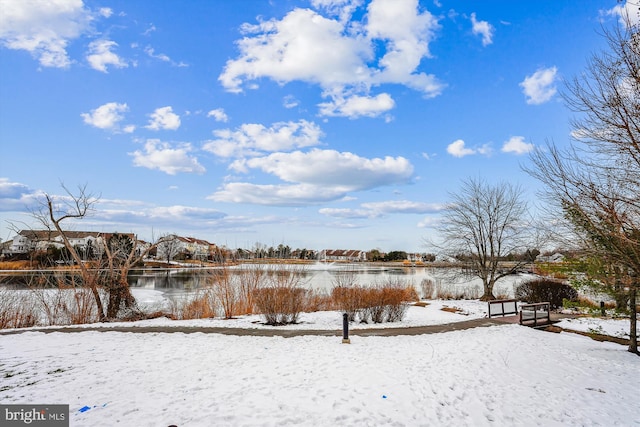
[503,307]
[535,314]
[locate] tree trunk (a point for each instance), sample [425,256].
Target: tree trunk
[633,333]
[115,298]
[120,294]
[621,297]
[488,292]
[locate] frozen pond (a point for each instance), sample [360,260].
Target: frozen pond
[320,277]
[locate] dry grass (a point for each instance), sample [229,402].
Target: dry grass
[280,305]
[17,310]
[428,287]
[17,265]
[454,310]
[377,304]
[449,291]
[198,306]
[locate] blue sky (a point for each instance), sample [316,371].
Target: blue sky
[316,124]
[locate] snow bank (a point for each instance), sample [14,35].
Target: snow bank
[502,375]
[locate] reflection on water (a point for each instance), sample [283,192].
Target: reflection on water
[318,276]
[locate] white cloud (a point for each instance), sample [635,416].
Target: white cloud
[340,8]
[458,148]
[333,168]
[152,53]
[171,160]
[313,177]
[430,222]
[255,139]
[100,55]
[379,209]
[290,101]
[219,115]
[337,55]
[164,119]
[105,12]
[627,13]
[482,28]
[406,33]
[540,86]
[184,213]
[108,117]
[347,213]
[276,195]
[357,106]
[43,28]
[403,206]
[516,145]
[15,196]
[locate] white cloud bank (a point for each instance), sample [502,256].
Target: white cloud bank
[43,28]
[628,12]
[253,139]
[313,177]
[378,209]
[540,87]
[338,54]
[163,157]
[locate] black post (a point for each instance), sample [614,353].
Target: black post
[345,329]
[602,310]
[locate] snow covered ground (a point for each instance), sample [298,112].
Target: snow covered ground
[495,376]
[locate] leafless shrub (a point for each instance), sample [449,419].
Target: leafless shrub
[427,286]
[17,309]
[250,280]
[280,305]
[348,299]
[317,300]
[448,291]
[377,304]
[201,305]
[281,297]
[226,290]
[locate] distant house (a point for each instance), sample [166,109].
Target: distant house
[556,257]
[348,255]
[191,247]
[39,240]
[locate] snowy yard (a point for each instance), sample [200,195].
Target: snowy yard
[501,376]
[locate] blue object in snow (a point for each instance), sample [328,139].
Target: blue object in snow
[84,409]
[384,396]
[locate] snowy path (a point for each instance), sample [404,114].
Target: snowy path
[502,375]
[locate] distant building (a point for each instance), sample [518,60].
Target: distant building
[557,257]
[39,240]
[349,255]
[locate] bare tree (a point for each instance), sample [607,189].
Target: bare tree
[111,269]
[595,182]
[169,247]
[482,225]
